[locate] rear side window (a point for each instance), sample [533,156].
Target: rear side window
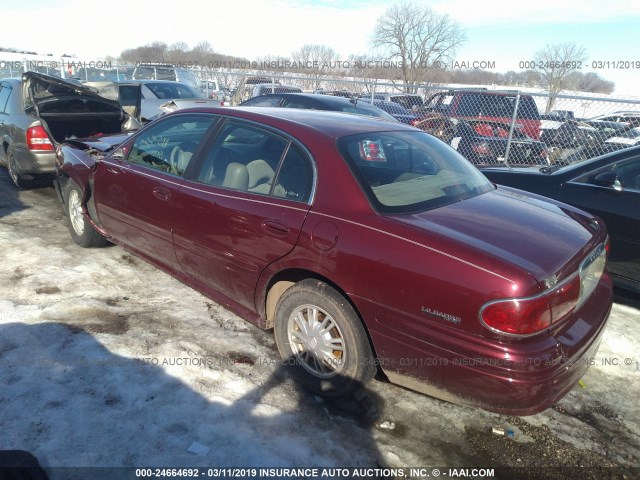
[5,92]
[251,159]
[295,177]
[501,106]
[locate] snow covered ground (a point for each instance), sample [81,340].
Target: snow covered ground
[107,361]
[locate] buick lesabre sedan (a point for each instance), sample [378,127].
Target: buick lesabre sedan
[364,244]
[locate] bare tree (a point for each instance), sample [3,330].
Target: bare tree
[152,52]
[316,60]
[555,63]
[589,82]
[418,38]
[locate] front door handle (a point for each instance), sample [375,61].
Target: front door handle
[275,228]
[161,193]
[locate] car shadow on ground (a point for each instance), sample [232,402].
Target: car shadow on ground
[626,297]
[10,200]
[72,403]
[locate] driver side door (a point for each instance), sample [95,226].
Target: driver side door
[135,186]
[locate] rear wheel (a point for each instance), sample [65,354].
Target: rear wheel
[81,230]
[321,338]
[14,171]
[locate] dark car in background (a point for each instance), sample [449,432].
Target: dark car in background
[410,101]
[498,106]
[485,143]
[625,139]
[607,186]
[629,117]
[396,110]
[361,243]
[314,101]
[39,111]
[571,141]
[335,93]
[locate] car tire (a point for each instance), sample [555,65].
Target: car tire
[81,230]
[14,171]
[322,340]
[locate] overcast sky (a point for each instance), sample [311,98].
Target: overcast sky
[258,28]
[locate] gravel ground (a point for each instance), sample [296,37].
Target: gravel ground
[98,367]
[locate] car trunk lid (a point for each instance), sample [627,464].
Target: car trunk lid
[542,238]
[68,110]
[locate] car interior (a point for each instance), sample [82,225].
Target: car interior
[249,160]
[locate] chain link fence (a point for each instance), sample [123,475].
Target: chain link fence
[488,126]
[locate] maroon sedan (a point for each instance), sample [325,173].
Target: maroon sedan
[364,244]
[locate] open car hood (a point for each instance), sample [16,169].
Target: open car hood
[39,88]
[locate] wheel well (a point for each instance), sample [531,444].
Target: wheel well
[283,280]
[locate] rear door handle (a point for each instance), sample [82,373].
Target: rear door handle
[161,193]
[275,228]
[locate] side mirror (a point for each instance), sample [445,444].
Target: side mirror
[118,154]
[607,179]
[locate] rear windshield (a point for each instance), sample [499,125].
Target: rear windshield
[408,101]
[368,110]
[497,106]
[405,172]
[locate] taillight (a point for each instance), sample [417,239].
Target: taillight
[372,151]
[518,316]
[37,139]
[563,299]
[481,149]
[530,315]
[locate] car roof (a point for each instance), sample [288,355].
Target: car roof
[326,123]
[327,99]
[143,80]
[13,80]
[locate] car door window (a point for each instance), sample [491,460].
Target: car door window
[247,158]
[295,177]
[169,145]
[628,174]
[5,91]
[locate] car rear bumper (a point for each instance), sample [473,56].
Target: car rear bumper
[520,377]
[35,162]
